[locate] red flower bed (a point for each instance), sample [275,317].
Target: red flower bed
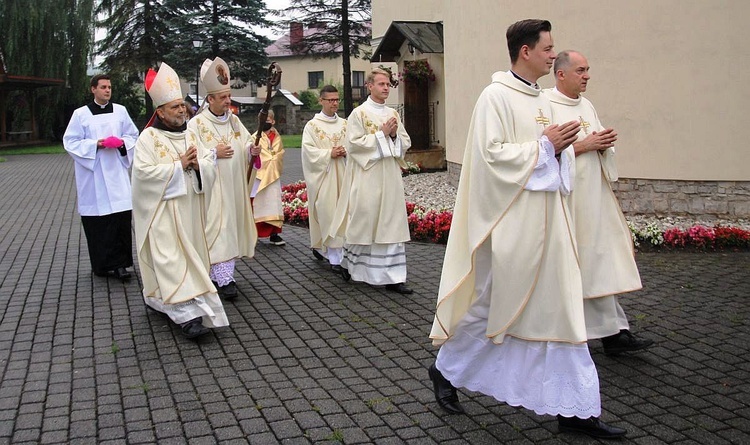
[428,225]
[434,226]
[424,225]
[707,238]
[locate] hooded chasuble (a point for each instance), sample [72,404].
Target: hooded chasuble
[230,227]
[536,290]
[102,176]
[267,206]
[324,175]
[605,246]
[372,207]
[169,210]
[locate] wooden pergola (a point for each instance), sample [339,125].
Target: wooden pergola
[26,84]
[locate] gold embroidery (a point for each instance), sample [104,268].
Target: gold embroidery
[163,150]
[542,119]
[335,138]
[208,136]
[585,125]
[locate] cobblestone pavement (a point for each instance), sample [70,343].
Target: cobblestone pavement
[310,359]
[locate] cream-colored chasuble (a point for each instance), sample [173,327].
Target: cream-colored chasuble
[169,212]
[372,207]
[536,288]
[324,175]
[605,245]
[230,227]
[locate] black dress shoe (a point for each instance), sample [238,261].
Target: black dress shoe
[122,274]
[445,393]
[336,268]
[345,274]
[276,240]
[400,288]
[194,328]
[624,341]
[592,426]
[228,291]
[318,255]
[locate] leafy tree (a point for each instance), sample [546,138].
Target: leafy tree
[138,36]
[310,99]
[50,39]
[142,33]
[224,27]
[343,29]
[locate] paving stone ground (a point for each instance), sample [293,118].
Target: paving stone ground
[309,358]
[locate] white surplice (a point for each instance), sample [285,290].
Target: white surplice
[102,177]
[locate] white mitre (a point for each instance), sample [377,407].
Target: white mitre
[215,75]
[164,86]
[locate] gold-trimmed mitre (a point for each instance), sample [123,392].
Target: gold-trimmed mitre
[163,86]
[215,76]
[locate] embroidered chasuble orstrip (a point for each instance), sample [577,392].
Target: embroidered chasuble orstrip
[230,226]
[605,245]
[169,211]
[537,295]
[324,175]
[371,208]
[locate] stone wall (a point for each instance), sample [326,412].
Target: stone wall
[699,199]
[303,117]
[722,199]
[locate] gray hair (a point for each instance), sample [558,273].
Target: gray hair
[562,62]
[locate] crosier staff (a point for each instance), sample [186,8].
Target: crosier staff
[274,78]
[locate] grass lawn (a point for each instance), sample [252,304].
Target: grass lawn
[289,140]
[41,150]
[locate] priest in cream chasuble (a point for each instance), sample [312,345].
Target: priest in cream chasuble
[323,164]
[605,245]
[371,212]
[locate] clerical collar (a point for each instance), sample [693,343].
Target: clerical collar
[576,99]
[95,108]
[374,104]
[222,117]
[159,125]
[324,117]
[533,85]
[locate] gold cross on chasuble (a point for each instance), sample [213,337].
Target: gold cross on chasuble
[585,125]
[542,119]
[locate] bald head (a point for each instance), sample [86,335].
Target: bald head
[571,73]
[563,59]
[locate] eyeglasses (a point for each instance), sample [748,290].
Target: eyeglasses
[332,100]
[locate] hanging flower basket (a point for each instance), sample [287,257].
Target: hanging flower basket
[416,71]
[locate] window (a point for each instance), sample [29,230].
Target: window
[358,78]
[314,79]
[253,89]
[359,91]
